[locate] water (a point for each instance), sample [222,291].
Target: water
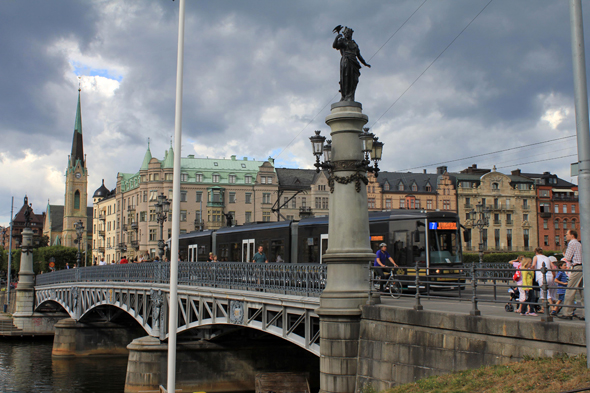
[26,366]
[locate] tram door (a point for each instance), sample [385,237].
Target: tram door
[248,250]
[323,246]
[193,252]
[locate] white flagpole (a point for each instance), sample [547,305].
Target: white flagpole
[173,309]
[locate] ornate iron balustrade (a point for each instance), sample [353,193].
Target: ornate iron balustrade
[303,279]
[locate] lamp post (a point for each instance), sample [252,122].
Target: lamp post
[162,209]
[483,221]
[79,226]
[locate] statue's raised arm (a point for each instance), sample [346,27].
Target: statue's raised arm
[349,63]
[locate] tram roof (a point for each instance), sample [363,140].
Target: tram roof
[194,234]
[254,226]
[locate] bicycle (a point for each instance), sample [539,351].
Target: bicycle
[394,286]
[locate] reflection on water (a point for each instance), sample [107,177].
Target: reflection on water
[26,366]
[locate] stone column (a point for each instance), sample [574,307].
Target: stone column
[348,254]
[25,295]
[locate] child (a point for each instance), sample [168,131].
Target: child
[527,282]
[517,263]
[561,281]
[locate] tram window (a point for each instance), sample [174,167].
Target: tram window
[277,248]
[235,252]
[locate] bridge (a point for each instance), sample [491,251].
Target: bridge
[278,299]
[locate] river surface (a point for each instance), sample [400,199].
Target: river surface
[26,366]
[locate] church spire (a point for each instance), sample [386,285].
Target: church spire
[77,144]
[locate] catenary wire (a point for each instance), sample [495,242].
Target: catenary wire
[430,65]
[335,95]
[487,154]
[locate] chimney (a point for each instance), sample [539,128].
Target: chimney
[424,171]
[516,172]
[441,170]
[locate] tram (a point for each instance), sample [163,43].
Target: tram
[429,241]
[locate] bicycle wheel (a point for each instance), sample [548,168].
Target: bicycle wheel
[395,289]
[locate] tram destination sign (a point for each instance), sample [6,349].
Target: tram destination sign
[442,225]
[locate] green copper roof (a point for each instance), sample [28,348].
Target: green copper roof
[169,159]
[78,126]
[146,159]
[77,144]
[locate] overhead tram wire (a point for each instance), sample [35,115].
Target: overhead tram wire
[543,160]
[486,154]
[430,65]
[335,95]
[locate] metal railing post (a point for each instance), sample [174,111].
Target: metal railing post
[370,300]
[474,311]
[417,306]
[546,317]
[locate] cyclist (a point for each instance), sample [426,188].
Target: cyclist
[382,259]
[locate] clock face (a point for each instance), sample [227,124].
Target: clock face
[78,175]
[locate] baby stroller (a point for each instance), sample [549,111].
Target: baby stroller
[514,296]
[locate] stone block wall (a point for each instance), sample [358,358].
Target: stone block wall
[398,346]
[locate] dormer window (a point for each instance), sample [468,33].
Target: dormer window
[414,187]
[400,186]
[386,186]
[495,186]
[428,188]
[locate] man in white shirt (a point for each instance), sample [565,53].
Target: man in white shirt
[102,262]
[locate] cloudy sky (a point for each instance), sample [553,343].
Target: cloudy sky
[260,77]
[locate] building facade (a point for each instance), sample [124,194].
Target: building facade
[212,191]
[557,209]
[511,200]
[302,193]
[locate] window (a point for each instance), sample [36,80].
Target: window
[266,197]
[145,196]
[428,188]
[556,208]
[497,238]
[269,180]
[400,186]
[565,208]
[215,178]
[388,203]
[414,187]
[318,202]
[322,187]
[232,197]
[142,216]
[573,209]
[199,196]
[215,196]
[168,176]
[183,196]
[248,179]
[386,186]
[546,240]
[525,217]
[495,186]
[556,224]
[232,179]
[199,177]
[402,203]
[525,203]
[544,193]
[152,215]
[266,216]
[183,215]
[248,217]
[325,203]
[507,203]
[152,235]
[153,195]
[248,199]
[509,238]
[215,215]
[417,203]
[156,176]
[77,200]
[303,202]
[573,224]
[525,235]
[263,179]
[557,240]
[545,224]
[429,204]
[465,184]
[184,177]
[564,223]
[484,238]
[524,186]
[294,203]
[446,205]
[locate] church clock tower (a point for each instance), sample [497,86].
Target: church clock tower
[75,205]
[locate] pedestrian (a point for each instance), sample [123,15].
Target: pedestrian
[561,281]
[215,258]
[67,265]
[210,257]
[517,264]
[123,260]
[102,262]
[573,256]
[540,261]
[527,288]
[260,256]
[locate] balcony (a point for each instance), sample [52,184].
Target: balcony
[101,232]
[135,244]
[497,222]
[121,247]
[468,206]
[102,217]
[526,207]
[134,226]
[509,222]
[130,208]
[101,249]
[545,215]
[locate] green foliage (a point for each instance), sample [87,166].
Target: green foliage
[368,388]
[41,258]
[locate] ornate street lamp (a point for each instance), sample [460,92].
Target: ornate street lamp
[483,221]
[79,226]
[162,209]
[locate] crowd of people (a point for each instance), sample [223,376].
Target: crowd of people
[545,280]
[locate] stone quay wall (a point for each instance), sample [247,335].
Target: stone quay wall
[400,345]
